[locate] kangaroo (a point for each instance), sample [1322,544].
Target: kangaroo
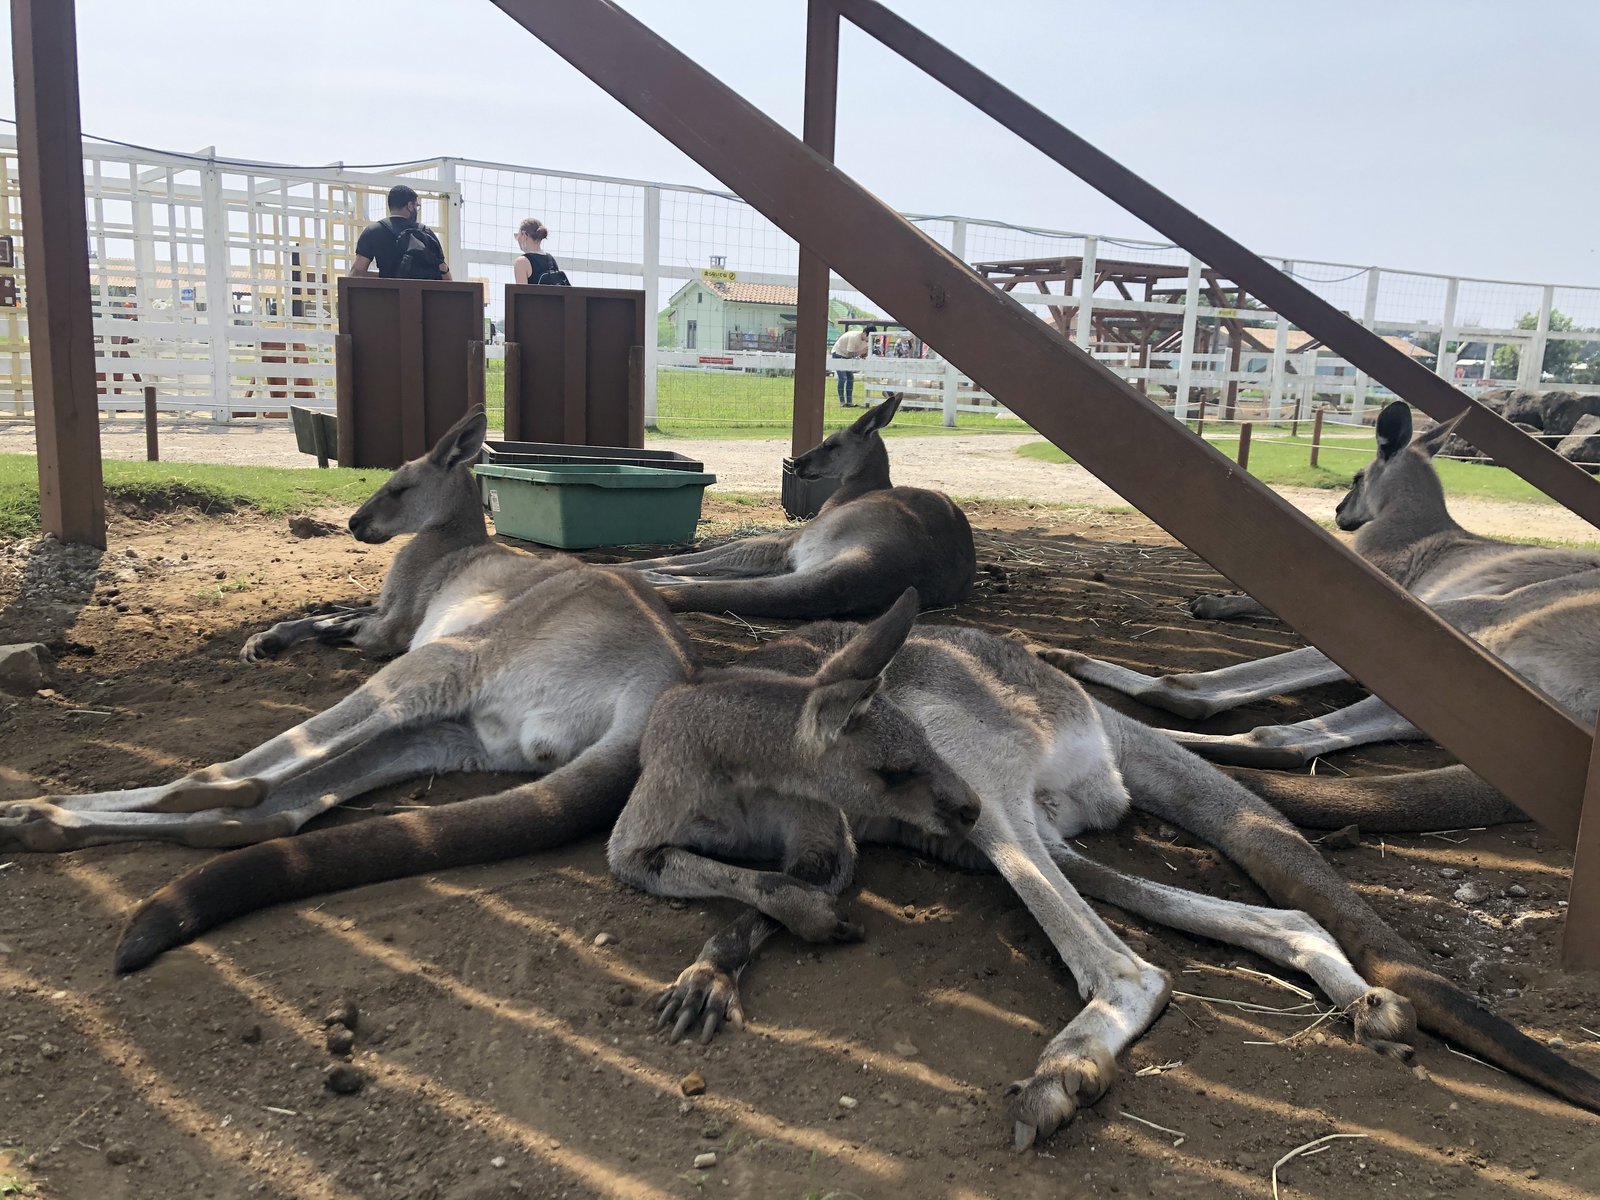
[512,662]
[836,733]
[1534,607]
[870,541]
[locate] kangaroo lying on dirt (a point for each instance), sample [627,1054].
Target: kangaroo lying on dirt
[838,732]
[1536,608]
[516,662]
[870,541]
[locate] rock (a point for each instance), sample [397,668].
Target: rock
[1449,872]
[310,527]
[344,1079]
[1343,839]
[250,1035]
[1525,408]
[904,1049]
[692,1084]
[340,1040]
[1557,1043]
[605,939]
[848,1102]
[343,1013]
[704,1162]
[1582,445]
[1564,411]
[1472,892]
[498,1162]
[1517,890]
[49,1051]
[120,1154]
[24,667]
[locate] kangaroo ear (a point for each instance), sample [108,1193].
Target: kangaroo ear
[868,654]
[1394,429]
[1431,441]
[877,417]
[461,441]
[830,708]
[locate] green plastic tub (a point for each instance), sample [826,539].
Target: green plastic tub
[574,506]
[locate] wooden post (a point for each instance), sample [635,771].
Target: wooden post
[1316,436]
[344,391]
[1294,425]
[1200,420]
[636,392]
[44,65]
[1580,949]
[476,384]
[152,449]
[1244,446]
[513,417]
[811,316]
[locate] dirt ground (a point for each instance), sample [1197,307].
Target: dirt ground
[507,1055]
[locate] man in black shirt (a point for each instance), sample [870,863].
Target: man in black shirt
[384,243]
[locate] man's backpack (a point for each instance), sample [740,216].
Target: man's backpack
[421,256]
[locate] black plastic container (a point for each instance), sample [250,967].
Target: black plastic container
[539,454]
[804,498]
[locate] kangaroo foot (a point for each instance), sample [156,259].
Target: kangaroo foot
[1063,1083]
[812,914]
[35,825]
[705,995]
[1384,1021]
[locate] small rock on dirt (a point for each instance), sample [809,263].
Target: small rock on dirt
[498,1162]
[120,1154]
[343,1013]
[24,667]
[605,939]
[310,527]
[1449,872]
[1517,890]
[704,1162]
[340,1040]
[1472,892]
[250,1035]
[1347,838]
[343,1079]
[692,1084]
[848,1102]
[904,1049]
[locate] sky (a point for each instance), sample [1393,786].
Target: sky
[1454,136]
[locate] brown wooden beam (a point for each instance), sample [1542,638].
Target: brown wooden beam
[1489,717]
[811,320]
[44,63]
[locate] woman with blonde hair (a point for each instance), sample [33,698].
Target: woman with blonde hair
[534,265]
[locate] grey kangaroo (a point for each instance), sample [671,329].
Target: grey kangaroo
[1534,607]
[836,733]
[513,662]
[870,541]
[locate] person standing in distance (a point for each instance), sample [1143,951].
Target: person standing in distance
[402,247]
[851,344]
[534,265]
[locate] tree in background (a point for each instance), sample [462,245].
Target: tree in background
[1559,356]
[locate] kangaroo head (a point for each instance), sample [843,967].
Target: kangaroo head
[854,449]
[428,490]
[1402,473]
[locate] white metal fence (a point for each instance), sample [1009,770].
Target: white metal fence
[213,282]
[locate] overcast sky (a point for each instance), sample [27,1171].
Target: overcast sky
[1455,136]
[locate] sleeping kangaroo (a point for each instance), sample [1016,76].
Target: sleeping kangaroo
[513,662]
[1534,607]
[837,732]
[870,541]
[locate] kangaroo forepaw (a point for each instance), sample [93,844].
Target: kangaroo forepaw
[1062,660]
[1385,1022]
[1061,1085]
[260,647]
[704,995]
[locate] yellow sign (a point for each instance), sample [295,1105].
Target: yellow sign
[717,275]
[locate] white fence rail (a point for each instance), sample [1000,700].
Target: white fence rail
[213,281]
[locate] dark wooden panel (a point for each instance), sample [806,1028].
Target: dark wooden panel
[406,381]
[573,348]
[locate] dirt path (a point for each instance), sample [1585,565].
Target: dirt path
[984,466]
[508,1056]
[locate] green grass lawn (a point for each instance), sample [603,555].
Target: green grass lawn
[717,405]
[1286,462]
[209,488]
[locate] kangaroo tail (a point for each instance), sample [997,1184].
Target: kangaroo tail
[1170,782]
[1447,798]
[576,800]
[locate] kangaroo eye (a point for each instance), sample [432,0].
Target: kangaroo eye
[895,779]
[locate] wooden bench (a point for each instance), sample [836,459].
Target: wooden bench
[316,432]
